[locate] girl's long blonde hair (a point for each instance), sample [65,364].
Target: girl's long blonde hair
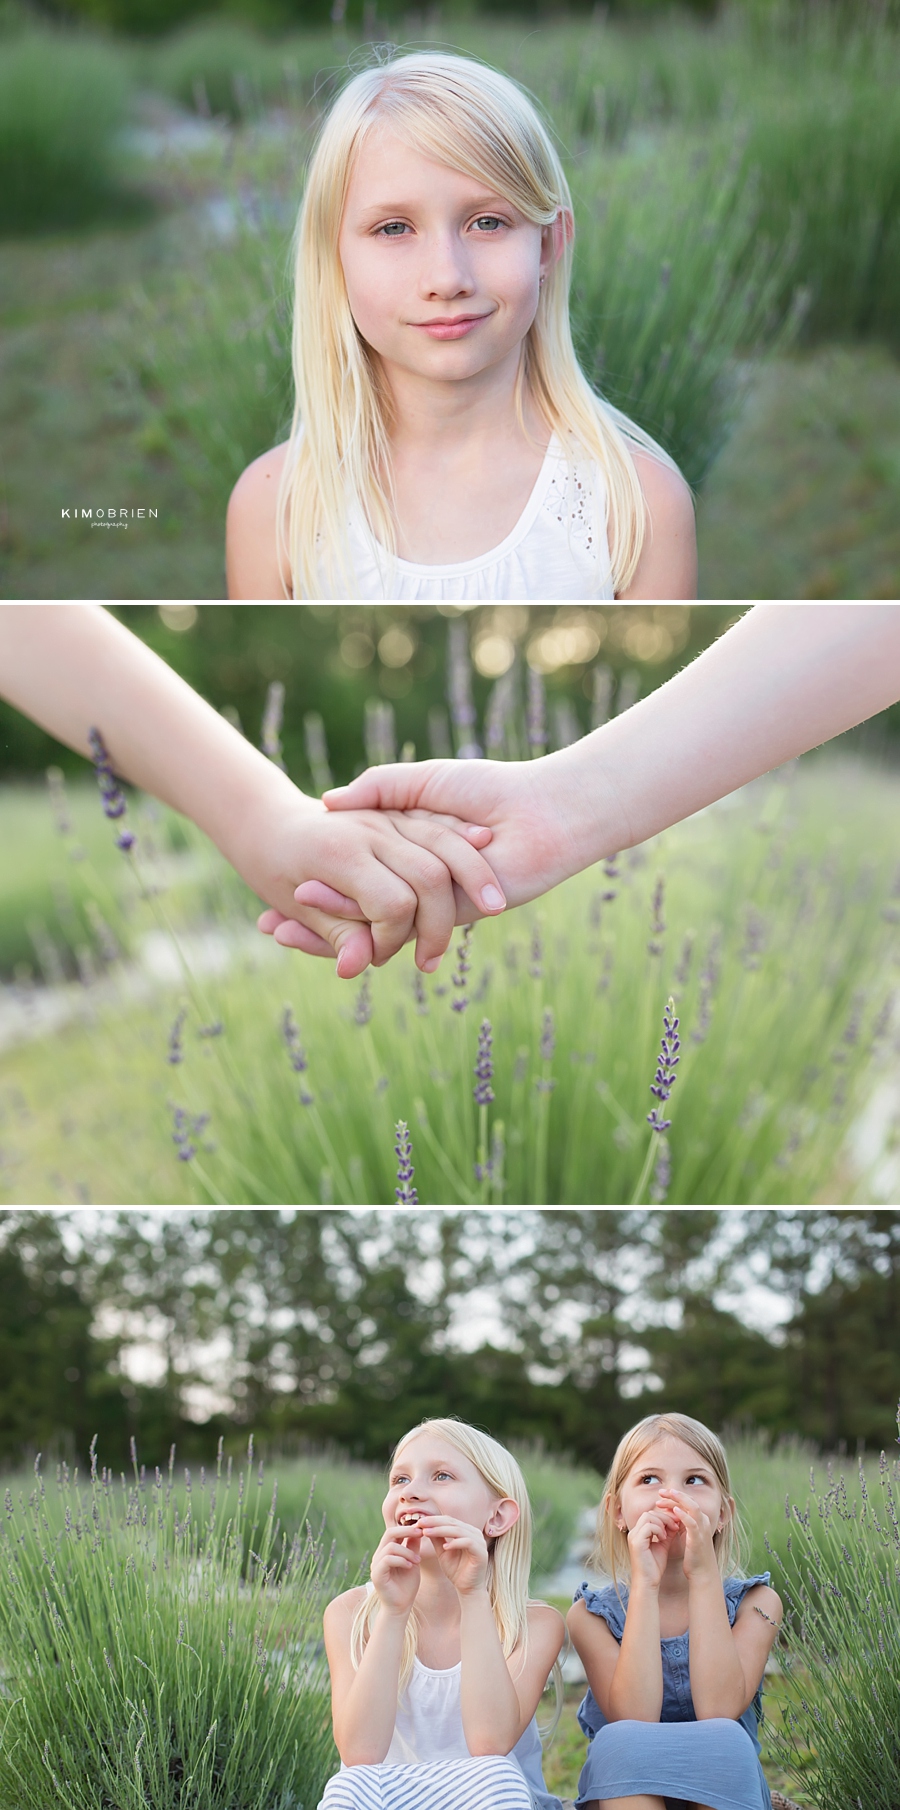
[509,1564]
[458,112]
[610,1552]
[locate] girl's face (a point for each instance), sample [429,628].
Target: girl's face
[429,1476]
[671,1464]
[442,275]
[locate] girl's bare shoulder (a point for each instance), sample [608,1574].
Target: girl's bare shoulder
[668,564]
[343,1608]
[251,545]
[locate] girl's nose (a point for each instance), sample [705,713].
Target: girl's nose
[445,271]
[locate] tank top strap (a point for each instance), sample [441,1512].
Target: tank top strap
[736,1589]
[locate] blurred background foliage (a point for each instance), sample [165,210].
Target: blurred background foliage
[557,1329]
[736,169]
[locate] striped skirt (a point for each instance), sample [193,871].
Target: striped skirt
[493,1782]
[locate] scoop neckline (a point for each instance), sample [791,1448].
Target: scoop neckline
[462,568]
[437,1671]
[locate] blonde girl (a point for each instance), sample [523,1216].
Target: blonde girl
[445,441]
[439,1662]
[676,1646]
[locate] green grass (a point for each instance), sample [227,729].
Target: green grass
[788,950]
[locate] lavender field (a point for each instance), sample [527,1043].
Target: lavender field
[193,1061]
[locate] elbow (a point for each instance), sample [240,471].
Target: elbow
[726,1711]
[361,1753]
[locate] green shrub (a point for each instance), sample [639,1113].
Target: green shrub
[220,66]
[62,104]
[145,1664]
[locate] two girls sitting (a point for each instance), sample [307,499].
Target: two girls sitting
[438,1664]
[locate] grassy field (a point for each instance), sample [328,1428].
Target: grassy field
[778,941]
[143,356]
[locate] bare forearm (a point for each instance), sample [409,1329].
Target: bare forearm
[636,1692]
[365,1725]
[490,1707]
[73,666]
[718,1687]
[784,679]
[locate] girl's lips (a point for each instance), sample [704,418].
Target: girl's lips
[450,329]
[409,1519]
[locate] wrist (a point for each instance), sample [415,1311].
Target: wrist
[579,790]
[251,827]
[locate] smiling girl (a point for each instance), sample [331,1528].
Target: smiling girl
[445,442]
[440,1661]
[674,1662]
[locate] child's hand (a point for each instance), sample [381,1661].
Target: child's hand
[535,809]
[650,1542]
[395,1569]
[461,1551]
[699,1552]
[392,871]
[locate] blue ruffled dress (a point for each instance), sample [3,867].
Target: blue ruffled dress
[713,1762]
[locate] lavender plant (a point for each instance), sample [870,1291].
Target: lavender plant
[838,1574]
[160,1646]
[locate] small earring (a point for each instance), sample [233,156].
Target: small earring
[541,282]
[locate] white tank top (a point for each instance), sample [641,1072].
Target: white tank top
[557,550]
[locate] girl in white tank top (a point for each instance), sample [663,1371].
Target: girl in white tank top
[446,443]
[455,1729]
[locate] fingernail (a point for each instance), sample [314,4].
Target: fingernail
[341,963]
[492,899]
[433,962]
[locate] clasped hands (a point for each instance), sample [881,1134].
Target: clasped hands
[397,854]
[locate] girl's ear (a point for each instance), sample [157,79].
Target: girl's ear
[502,1517]
[727,1512]
[555,238]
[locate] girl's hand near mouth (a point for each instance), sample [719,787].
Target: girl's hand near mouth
[395,1569]
[461,1551]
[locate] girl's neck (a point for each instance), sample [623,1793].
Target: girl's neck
[457,419]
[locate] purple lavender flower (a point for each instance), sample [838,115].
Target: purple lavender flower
[662,1174]
[461,977]
[186,1127]
[362,1005]
[754,938]
[114,805]
[59,801]
[176,1039]
[296,1052]
[548,1037]
[419,995]
[536,714]
[658,924]
[459,692]
[536,958]
[271,724]
[406,1194]
[666,1064]
[610,875]
[684,961]
[709,980]
[484,1066]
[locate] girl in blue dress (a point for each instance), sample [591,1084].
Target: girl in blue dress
[676,1647]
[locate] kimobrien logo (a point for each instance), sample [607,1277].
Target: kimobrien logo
[108,518]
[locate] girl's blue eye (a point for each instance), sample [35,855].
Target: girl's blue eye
[489,220]
[393,229]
